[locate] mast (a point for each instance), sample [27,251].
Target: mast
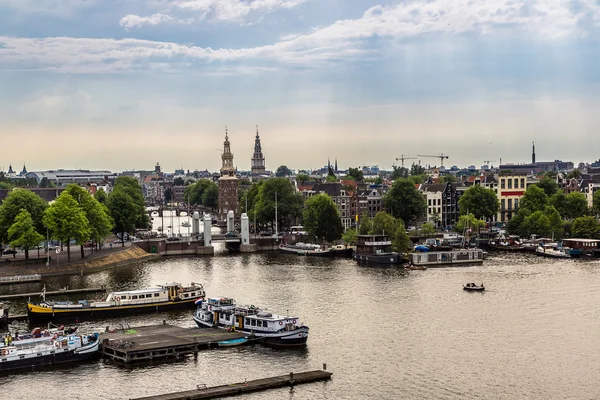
[276,234]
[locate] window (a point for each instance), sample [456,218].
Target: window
[509,183]
[501,183]
[134,297]
[439,201]
[156,294]
[265,324]
[253,323]
[516,204]
[429,202]
[149,295]
[509,204]
[516,183]
[247,321]
[186,295]
[502,204]
[522,183]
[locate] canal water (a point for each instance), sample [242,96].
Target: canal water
[534,333]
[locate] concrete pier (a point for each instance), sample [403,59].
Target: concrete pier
[203,392]
[52,293]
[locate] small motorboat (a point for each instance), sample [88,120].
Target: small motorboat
[473,287]
[232,342]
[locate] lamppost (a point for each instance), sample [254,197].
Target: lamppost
[47,247]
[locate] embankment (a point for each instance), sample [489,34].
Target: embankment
[129,256]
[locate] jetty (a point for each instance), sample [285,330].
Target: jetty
[7,280]
[204,392]
[52,293]
[148,343]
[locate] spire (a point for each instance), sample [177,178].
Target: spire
[336,170]
[226,135]
[257,132]
[10,170]
[258,160]
[533,153]
[24,171]
[227,168]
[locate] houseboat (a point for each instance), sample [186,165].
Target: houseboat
[582,247]
[162,298]
[375,249]
[24,338]
[271,329]
[53,350]
[462,256]
[552,250]
[305,249]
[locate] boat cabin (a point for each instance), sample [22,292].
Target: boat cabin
[373,244]
[582,244]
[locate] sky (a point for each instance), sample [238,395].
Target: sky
[123,84]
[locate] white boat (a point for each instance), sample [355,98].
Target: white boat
[63,349]
[304,249]
[20,339]
[272,329]
[552,250]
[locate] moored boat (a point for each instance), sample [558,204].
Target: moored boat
[59,350]
[552,250]
[232,342]
[375,249]
[269,328]
[36,335]
[341,250]
[162,298]
[304,249]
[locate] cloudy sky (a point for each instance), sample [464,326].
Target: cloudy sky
[122,84]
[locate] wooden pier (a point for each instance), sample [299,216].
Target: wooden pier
[156,342]
[8,280]
[52,293]
[203,392]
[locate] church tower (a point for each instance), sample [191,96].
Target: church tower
[228,183]
[258,160]
[533,153]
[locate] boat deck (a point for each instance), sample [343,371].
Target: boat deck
[203,392]
[160,341]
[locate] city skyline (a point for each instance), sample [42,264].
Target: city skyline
[122,85]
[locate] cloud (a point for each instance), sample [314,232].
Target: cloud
[135,21]
[234,10]
[342,40]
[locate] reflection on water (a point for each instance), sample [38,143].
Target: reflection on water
[532,334]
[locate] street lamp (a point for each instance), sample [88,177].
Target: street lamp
[47,247]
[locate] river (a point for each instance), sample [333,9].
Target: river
[532,334]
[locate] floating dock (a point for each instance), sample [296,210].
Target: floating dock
[52,293]
[203,392]
[8,280]
[156,342]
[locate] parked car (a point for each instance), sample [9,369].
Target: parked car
[9,251]
[230,234]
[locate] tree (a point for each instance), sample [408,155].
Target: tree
[289,203]
[210,197]
[123,211]
[448,178]
[404,201]
[101,196]
[168,194]
[350,237]
[193,194]
[45,183]
[534,199]
[365,225]
[356,174]
[479,201]
[427,229]
[399,172]
[468,222]
[575,205]
[283,171]
[596,202]
[548,185]
[416,169]
[331,178]
[178,181]
[5,186]
[97,214]
[586,228]
[546,222]
[302,177]
[132,188]
[12,205]
[321,218]
[22,233]
[385,224]
[576,173]
[66,220]
[559,201]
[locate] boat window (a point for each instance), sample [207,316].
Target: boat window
[253,322]
[134,297]
[185,295]
[193,294]
[247,321]
[149,295]
[156,294]
[265,324]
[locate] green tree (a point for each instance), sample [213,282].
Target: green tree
[469,221]
[574,174]
[210,197]
[193,193]
[5,185]
[45,183]
[132,188]
[404,201]
[123,211]
[330,178]
[356,174]
[97,214]
[448,178]
[586,228]
[321,218]
[17,200]
[22,233]
[416,169]
[289,203]
[66,220]
[417,179]
[283,171]
[546,222]
[559,201]
[168,195]
[385,224]
[575,205]
[399,172]
[548,185]
[350,237]
[427,229]
[101,196]
[365,225]
[534,199]
[596,202]
[479,201]
[302,177]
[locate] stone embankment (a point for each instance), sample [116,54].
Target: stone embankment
[131,255]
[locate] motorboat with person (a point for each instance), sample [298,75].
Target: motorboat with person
[473,287]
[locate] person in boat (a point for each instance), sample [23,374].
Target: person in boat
[482,285]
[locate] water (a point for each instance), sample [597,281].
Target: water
[532,334]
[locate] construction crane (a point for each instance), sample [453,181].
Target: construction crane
[402,158]
[441,157]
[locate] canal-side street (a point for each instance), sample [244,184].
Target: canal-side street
[532,334]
